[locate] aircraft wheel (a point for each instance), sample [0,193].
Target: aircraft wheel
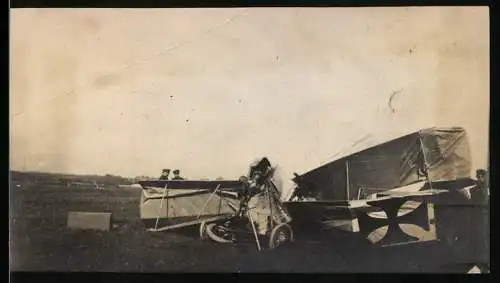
[203,231]
[219,233]
[281,234]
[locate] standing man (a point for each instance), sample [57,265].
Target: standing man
[480,193]
[177,175]
[479,230]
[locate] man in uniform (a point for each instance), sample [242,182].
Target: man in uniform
[177,175]
[479,218]
[164,174]
[480,193]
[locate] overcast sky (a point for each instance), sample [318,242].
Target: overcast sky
[130,92]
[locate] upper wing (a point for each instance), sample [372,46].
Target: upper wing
[193,184]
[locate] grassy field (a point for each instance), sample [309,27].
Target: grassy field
[40,241]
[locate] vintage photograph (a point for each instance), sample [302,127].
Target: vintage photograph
[285,139]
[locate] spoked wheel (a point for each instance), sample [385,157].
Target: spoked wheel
[219,233]
[280,235]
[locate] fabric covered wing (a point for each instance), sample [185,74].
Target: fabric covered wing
[442,153]
[192,184]
[448,154]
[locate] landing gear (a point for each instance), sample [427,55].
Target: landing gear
[226,233]
[257,187]
[220,233]
[203,231]
[280,235]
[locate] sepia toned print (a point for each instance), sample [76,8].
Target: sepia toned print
[250,139]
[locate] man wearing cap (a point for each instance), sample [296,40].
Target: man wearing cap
[177,175]
[164,174]
[480,193]
[478,228]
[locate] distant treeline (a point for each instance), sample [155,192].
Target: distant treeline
[63,179]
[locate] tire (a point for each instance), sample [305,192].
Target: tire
[281,234]
[203,231]
[212,234]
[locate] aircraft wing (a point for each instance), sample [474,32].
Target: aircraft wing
[227,185]
[387,195]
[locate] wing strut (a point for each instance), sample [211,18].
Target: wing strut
[254,230]
[347,178]
[426,164]
[208,200]
[161,205]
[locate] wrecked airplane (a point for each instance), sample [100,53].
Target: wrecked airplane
[392,183]
[406,180]
[226,211]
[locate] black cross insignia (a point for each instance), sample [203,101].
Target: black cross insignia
[419,217]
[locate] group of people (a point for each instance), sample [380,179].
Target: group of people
[166,172]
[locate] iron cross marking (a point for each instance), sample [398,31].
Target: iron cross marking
[394,233]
